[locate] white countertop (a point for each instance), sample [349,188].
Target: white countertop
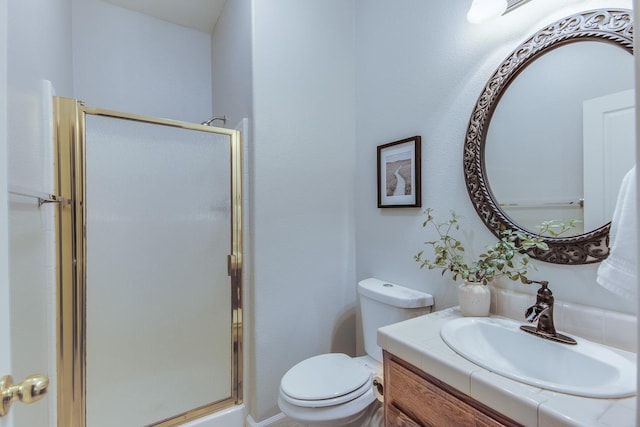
[418,342]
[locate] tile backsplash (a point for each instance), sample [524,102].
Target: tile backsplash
[602,326]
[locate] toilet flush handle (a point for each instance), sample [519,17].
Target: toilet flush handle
[378,385]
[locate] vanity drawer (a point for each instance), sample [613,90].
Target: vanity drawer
[415,398]
[395,418]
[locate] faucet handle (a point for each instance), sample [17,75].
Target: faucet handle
[544,296]
[544,283]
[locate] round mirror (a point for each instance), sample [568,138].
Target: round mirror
[552,135]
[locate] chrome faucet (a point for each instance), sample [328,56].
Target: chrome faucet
[542,311]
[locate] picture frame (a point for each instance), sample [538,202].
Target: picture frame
[399,175]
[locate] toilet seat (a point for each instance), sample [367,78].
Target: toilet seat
[325,380]
[327,402]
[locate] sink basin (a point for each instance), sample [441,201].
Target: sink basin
[586,369]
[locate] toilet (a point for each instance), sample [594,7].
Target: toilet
[337,390]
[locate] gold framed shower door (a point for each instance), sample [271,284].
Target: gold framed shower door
[71,223]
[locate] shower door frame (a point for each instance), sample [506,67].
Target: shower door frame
[70,166]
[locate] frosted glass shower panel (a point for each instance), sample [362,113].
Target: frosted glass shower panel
[158,295]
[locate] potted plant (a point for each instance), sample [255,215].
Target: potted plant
[505,258]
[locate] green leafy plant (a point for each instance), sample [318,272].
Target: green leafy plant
[555,228]
[507,257]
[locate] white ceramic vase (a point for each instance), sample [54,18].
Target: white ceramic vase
[474,299]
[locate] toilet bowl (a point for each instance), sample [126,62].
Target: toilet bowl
[329,390]
[335,389]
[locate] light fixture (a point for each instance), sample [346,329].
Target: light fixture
[484,10]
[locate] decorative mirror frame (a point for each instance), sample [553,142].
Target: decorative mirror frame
[605,25]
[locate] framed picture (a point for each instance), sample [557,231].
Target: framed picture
[399,174]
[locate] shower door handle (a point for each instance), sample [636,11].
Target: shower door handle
[232,265]
[32,389]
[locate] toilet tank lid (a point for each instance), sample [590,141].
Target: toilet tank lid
[394,295]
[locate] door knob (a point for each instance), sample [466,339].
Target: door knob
[32,389]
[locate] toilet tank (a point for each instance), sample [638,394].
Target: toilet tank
[383,303]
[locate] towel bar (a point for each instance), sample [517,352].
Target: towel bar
[41,196]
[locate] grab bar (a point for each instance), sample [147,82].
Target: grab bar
[41,196]
[579,203]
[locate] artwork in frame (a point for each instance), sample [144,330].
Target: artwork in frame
[399,174]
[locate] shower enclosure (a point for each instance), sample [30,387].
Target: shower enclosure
[149,294]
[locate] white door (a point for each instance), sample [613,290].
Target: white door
[27,285]
[31,347]
[609,152]
[5,329]
[24,342]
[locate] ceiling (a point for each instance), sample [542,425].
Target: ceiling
[200,15]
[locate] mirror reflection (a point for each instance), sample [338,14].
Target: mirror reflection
[567,122]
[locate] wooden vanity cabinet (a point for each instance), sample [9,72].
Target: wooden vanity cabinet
[414,398]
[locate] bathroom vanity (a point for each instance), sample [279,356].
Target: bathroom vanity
[427,383]
[408,388]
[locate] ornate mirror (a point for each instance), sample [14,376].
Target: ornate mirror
[534,150]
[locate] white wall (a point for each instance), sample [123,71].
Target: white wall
[303,258]
[231,63]
[39,48]
[127,61]
[420,69]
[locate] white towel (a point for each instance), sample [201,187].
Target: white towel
[618,273]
